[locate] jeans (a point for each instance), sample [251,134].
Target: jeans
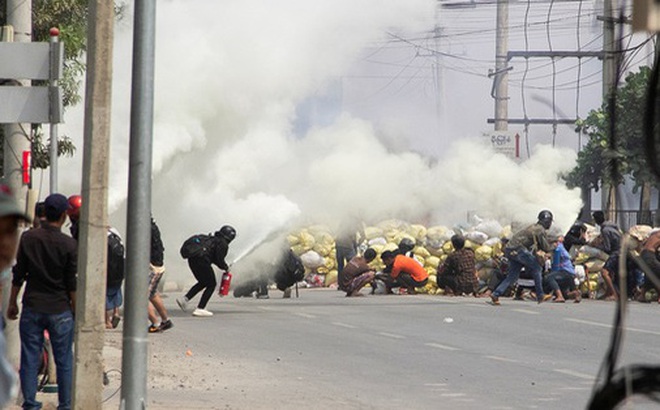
[559,280]
[519,258]
[60,329]
[344,255]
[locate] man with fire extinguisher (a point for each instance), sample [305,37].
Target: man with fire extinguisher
[202,251]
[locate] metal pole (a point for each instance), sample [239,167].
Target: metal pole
[135,343]
[54,38]
[501,62]
[92,249]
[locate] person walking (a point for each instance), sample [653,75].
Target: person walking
[156,307]
[209,250]
[47,263]
[521,252]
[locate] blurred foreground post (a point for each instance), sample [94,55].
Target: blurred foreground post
[138,225]
[92,248]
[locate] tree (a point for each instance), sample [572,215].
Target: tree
[598,163]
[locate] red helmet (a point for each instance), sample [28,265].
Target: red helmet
[75,202]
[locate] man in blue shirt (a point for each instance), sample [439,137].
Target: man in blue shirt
[561,279]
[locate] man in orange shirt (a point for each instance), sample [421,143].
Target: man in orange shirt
[405,271]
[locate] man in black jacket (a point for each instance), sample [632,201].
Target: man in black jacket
[47,263]
[202,269]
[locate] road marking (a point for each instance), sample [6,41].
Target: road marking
[574,374]
[439,346]
[547,399]
[266,308]
[392,335]
[529,312]
[346,325]
[435,384]
[307,315]
[453,395]
[609,326]
[502,359]
[574,388]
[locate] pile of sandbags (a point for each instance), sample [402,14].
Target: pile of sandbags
[316,247]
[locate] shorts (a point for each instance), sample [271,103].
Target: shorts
[155,274]
[113,298]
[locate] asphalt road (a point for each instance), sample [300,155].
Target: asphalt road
[323,351]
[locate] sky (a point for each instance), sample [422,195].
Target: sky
[271,116]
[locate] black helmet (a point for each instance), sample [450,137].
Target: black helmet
[406,245]
[545,218]
[227,232]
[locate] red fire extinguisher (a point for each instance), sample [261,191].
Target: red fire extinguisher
[224,284]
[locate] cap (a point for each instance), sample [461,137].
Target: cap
[56,204]
[8,205]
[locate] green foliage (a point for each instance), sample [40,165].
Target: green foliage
[598,163]
[40,149]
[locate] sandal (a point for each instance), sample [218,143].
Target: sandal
[154,329]
[115,321]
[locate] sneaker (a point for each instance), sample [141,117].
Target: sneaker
[494,300]
[166,325]
[182,302]
[287,293]
[202,313]
[154,329]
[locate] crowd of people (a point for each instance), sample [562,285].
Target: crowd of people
[536,254]
[46,265]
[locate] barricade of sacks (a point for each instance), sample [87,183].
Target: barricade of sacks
[316,247]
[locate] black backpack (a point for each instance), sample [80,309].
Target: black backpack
[196,246]
[291,271]
[116,266]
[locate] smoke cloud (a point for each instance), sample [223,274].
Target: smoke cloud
[229,77]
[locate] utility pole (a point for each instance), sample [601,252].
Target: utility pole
[501,72]
[19,16]
[92,248]
[609,192]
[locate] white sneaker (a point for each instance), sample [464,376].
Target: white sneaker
[182,302]
[202,313]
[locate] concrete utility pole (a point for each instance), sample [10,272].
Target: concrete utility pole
[138,239]
[19,16]
[609,192]
[501,61]
[92,248]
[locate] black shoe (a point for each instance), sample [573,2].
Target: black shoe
[165,325]
[154,329]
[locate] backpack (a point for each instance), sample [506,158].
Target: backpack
[291,271]
[196,246]
[116,266]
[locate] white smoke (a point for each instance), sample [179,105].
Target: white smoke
[229,76]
